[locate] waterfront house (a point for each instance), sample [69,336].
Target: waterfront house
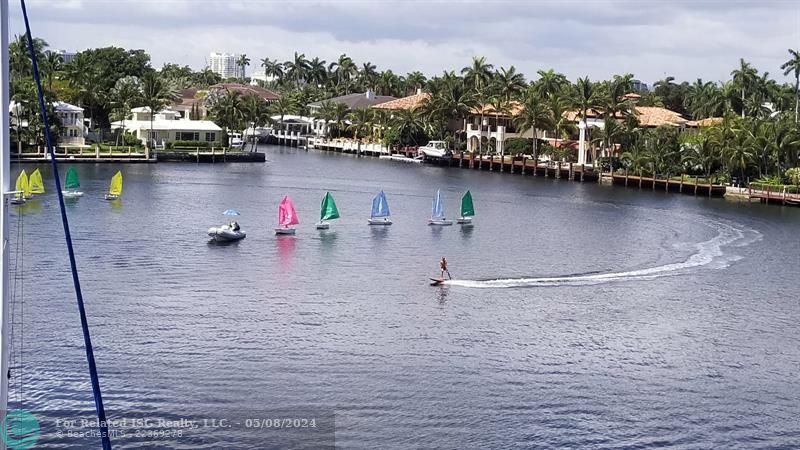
[168,126]
[73,130]
[487,128]
[352,101]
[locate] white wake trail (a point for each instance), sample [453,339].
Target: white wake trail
[707,252]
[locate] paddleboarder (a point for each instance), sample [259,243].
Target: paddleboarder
[443,266]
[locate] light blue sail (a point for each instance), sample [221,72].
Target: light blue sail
[437,211]
[380,207]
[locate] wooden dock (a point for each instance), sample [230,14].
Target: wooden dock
[209,156]
[773,194]
[683,186]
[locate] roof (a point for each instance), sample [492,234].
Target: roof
[410,102]
[357,101]
[513,108]
[246,90]
[655,116]
[708,122]
[648,116]
[172,125]
[66,107]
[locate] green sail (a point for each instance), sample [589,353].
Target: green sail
[72,181]
[467,210]
[328,210]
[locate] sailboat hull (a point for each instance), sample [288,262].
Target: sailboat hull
[464,220]
[72,194]
[323,225]
[285,231]
[440,222]
[18,201]
[111,197]
[379,221]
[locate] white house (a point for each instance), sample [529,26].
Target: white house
[168,126]
[73,130]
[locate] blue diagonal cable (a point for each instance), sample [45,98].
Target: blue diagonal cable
[87,340]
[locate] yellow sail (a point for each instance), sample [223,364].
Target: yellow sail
[36,183]
[116,184]
[22,185]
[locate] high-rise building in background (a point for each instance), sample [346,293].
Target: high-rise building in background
[225,65]
[66,56]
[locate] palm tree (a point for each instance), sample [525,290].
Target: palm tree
[550,83]
[156,94]
[242,63]
[702,153]
[297,68]
[533,115]
[510,83]
[608,135]
[744,77]
[414,81]
[409,125]
[125,93]
[51,63]
[561,125]
[360,122]
[282,107]
[272,68]
[479,74]
[793,65]
[387,83]
[344,68]
[317,72]
[368,75]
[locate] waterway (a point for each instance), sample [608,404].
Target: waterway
[582,316]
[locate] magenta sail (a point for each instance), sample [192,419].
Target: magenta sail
[286,213]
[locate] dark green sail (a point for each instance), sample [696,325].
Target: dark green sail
[328,210]
[467,210]
[72,181]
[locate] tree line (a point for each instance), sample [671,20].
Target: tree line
[755,133]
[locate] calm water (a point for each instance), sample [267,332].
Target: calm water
[584,316]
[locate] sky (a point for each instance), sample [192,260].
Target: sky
[648,38]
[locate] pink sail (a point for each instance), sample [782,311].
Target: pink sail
[286,213]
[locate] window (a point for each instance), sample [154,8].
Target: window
[211,137]
[188,136]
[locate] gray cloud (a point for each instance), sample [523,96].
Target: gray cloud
[651,39]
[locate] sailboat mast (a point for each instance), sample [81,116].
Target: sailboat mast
[5,186]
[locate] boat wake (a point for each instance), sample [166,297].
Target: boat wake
[710,253]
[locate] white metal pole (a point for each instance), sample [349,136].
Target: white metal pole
[5,185]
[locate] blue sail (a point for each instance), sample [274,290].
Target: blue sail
[438,209]
[380,207]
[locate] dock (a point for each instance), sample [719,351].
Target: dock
[129,155]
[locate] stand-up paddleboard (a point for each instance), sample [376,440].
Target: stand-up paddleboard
[436,281]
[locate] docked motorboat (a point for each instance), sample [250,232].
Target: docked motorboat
[226,233]
[435,149]
[235,141]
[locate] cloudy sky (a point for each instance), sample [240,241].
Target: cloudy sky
[649,38]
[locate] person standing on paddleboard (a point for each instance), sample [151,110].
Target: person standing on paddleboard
[443,266]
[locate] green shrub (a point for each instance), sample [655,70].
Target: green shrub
[189,144]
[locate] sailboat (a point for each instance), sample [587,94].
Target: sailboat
[328,211]
[36,184]
[380,211]
[115,188]
[22,189]
[467,209]
[437,212]
[286,216]
[71,184]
